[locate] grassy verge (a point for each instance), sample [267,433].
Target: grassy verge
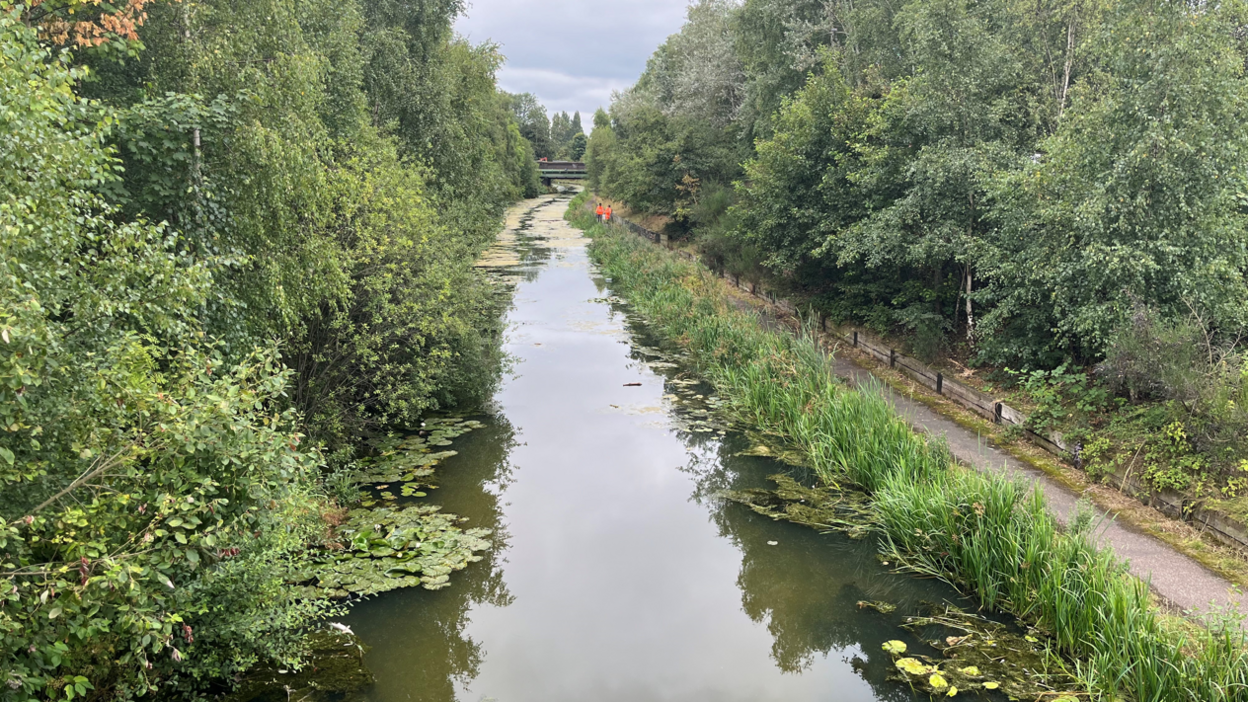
[988,535]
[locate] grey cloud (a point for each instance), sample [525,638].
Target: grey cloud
[572,53]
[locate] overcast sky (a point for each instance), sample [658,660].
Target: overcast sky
[572,53]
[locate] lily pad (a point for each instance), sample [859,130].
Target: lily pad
[983,655]
[412,459]
[390,548]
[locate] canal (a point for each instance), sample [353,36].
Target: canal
[618,574]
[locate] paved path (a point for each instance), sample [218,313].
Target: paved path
[1176,578]
[1180,581]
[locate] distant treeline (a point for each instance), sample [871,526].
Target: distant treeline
[236,237]
[558,137]
[1028,180]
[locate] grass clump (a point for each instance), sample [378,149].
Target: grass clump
[989,535]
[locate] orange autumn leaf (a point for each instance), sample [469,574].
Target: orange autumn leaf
[85,23]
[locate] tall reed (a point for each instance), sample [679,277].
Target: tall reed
[987,534]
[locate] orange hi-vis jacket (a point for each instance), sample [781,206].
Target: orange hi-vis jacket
[600,212]
[608,213]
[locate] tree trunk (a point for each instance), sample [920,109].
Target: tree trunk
[970,314]
[1070,60]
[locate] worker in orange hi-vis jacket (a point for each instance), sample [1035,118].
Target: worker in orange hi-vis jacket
[600,212]
[608,213]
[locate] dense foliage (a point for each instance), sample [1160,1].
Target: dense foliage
[234,238]
[986,533]
[557,137]
[1021,176]
[1057,187]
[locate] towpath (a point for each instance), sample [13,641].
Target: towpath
[1177,579]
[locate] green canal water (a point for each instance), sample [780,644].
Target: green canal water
[618,574]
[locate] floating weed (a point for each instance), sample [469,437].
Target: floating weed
[824,508]
[759,450]
[882,608]
[978,653]
[913,667]
[412,460]
[390,548]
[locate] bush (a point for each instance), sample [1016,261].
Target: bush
[154,496]
[1065,399]
[1150,358]
[1185,362]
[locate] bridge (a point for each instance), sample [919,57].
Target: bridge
[561,170]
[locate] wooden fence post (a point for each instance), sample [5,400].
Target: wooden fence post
[855,339]
[892,358]
[996,408]
[940,383]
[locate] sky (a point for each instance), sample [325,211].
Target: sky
[572,53]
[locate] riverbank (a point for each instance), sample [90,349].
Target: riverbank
[1131,512]
[617,574]
[989,534]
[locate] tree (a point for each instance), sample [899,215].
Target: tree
[1135,199]
[696,74]
[676,127]
[155,493]
[561,131]
[530,115]
[929,152]
[324,175]
[86,23]
[580,143]
[600,151]
[797,192]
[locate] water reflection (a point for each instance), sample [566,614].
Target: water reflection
[618,575]
[804,587]
[420,646]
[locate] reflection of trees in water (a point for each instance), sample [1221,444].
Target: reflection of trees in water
[806,588]
[419,637]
